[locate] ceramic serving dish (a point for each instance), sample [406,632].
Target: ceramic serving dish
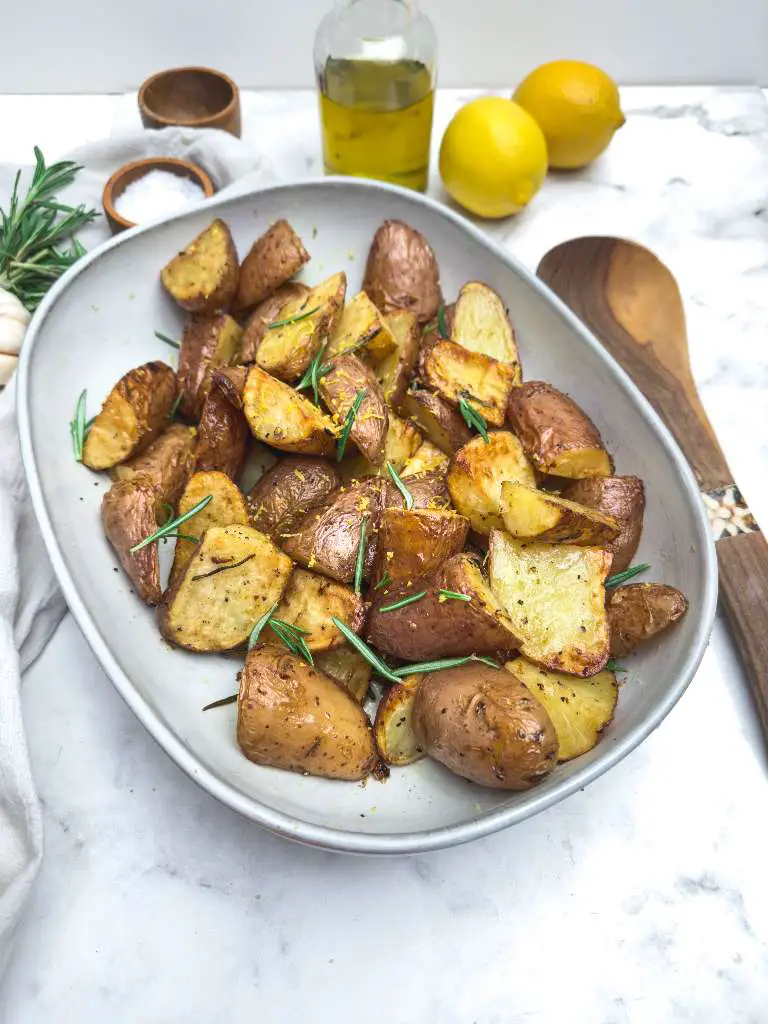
[98,322]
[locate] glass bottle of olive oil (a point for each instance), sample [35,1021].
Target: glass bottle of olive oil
[375,64]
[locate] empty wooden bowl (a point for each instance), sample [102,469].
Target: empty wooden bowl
[128,173]
[191,97]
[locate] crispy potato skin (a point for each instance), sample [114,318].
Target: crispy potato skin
[209,340]
[231,381]
[134,413]
[279,416]
[338,389]
[293,717]
[168,463]
[128,516]
[639,612]
[529,513]
[227,507]
[402,272]
[428,491]
[484,725]
[267,312]
[393,727]
[222,435]
[273,259]
[394,371]
[288,490]
[417,541]
[436,419]
[455,372]
[558,437]
[310,600]
[477,472]
[203,278]
[622,498]
[435,628]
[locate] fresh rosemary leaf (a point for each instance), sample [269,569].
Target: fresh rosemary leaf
[220,703]
[253,639]
[349,422]
[451,595]
[175,406]
[428,327]
[385,580]
[614,666]
[77,426]
[485,661]
[473,419]
[181,536]
[442,323]
[223,568]
[437,666]
[361,550]
[292,638]
[622,577]
[405,601]
[167,340]
[171,525]
[313,374]
[362,648]
[292,319]
[407,496]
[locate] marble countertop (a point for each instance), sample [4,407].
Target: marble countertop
[641,900]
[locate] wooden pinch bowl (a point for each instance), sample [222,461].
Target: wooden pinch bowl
[128,173]
[191,97]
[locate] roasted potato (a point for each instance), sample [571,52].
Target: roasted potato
[529,514]
[428,491]
[402,272]
[362,327]
[168,463]
[209,340]
[438,626]
[426,459]
[231,381]
[348,668]
[480,323]
[222,435]
[280,417]
[554,595]
[288,490]
[558,437]
[455,372]
[135,412]
[623,499]
[640,611]
[579,709]
[309,602]
[483,724]
[203,278]
[266,313]
[393,727]
[234,575]
[128,516]
[294,717]
[272,260]
[440,423]
[227,508]
[401,442]
[292,341]
[477,472]
[416,541]
[394,371]
[347,377]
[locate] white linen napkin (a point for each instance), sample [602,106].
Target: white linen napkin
[31,604]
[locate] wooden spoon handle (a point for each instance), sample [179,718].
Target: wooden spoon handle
[743,562]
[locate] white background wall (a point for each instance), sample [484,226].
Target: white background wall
[108,46]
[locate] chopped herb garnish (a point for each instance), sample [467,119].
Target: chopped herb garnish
[473,419]
[167,340]
[171,525]
[407,496]
[427,328]
[168,509]
[437,666]
[176,403]
[223,568]
[292,637]
[253,639]
[181,536]
[349,422]
[292,319]
[77,427]
[362,648]
[405,601]
[614,666]
[220,703]
[361,551]
[442,323]
[451,595]
[628,574]
[313,374]
[385,580]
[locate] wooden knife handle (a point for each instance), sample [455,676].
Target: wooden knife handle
[743,562]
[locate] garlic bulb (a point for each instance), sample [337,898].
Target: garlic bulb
[13,325]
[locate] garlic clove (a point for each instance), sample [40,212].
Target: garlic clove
[7,366]
[11,335]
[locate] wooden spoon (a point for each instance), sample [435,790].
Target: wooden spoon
[632,303]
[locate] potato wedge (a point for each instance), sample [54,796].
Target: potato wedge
[348,668]
[440,423]
[394,371]
[135,412]
[558,437]
[223,434]
[203,278]
[288,490]
[425,459]
[483,724]
[272,260]
[416,541]
[393,727]
[401,442]
[128,516]
[529,514]
[339,388]
[437,626]
[478,471]
[579,709]
[623,499]
[235,574]
[554,595]
[428,491]
[639,612]
[309,602]
[209,340]
[362,327]
[227,508]
[280,417]
[168,463]
[294,717]
[481,324]
[402,272]
[301,329]
[231,381]
[266,313]
[455,372]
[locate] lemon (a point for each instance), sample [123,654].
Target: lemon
[577,108]
[493,157]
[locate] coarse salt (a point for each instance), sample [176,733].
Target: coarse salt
[155,194]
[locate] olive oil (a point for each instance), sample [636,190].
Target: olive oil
[376,118]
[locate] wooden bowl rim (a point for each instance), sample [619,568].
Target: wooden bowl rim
[192,122]
[150,163]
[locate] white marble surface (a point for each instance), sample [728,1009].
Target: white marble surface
[642,900]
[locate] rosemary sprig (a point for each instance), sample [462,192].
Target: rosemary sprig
[622,577]
[171,525]
[291,319]
[175,406]
[437,666]
[167,340]
[385,580]
[362,648]
[407,496]
[292,637]
[220,703]
[253,639]
[614,666]
[180,536]
[472,418]
[361,550]
[78,427]
[223,568]
[451,595]
[168,509]
[349,422]
[405,601]
[314,372]
[442,323]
